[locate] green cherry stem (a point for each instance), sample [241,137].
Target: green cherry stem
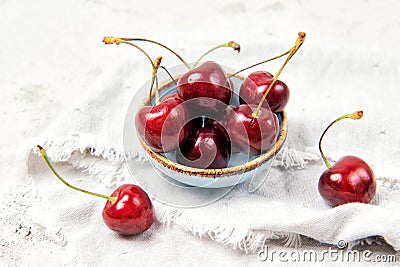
[44,155]
[157,43]
[232,44]
[299,41]
[355,116]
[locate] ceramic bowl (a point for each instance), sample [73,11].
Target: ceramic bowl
[241,167]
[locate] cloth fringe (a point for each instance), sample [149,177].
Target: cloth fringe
[81,154]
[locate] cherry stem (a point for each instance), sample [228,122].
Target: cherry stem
[155,66]
[232,44]
[44,155]
[157,43]
[154,77]
[299,41]
[117,41]
[355,116]
[169,74]
[259,63]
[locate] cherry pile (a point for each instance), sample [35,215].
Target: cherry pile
[199,123]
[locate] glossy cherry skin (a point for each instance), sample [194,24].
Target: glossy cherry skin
[161,127]
[350,179]
[254,87]
[170,96]
[205,84]
[132,213]
[220,129]
[249,134]
[206,149]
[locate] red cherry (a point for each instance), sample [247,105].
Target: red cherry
[350,179]
[220,129]
[280,94]
[249,133]
[132,213]
[128,210]
[257,83]
[206,149]
[161,127]
[206,84]
[254,129]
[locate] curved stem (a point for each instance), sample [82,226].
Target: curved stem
[44,155]
[117,41]
[355,116]
[299,41]
[232,44]
[259,63]
[162,45]
[169,74]
[155,65]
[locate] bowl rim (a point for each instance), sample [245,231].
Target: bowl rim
[223,172]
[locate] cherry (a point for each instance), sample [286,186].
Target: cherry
[208,86]
[350,179]
[128,211]
[250,134]
[256,84]
[206,149]
[217,126]
[131,213]
[254,129]
[220,129]
[263,83]
[161,127]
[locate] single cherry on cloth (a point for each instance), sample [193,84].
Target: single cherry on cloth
[209,85]
[161,127]
[128,211]
[132,212]
[252,134]
[350,179]
[257,83]
[205,149]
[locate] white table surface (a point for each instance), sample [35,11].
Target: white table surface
[51,51]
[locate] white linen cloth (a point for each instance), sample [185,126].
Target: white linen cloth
[87,143]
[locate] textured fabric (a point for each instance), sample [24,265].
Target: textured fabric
[87,143]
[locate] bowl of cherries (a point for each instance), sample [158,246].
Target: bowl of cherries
[206,125]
